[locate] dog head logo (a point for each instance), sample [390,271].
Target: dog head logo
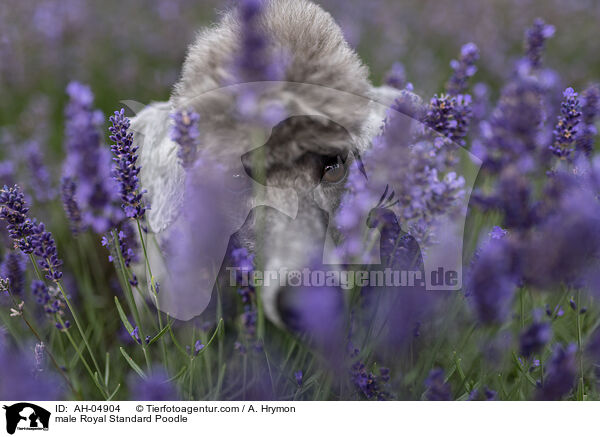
[26,416]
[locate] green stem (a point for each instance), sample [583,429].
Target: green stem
[131,301]
[580,349]
[46,349]
[154,292]
[73,312]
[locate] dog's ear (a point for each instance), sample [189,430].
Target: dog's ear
[161,174]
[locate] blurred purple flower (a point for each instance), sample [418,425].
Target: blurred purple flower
[492,281]
[125,171]
[535,39]
[67,191]
[156,387]
[50,299]
[88,162]
[40,180]
[13,269]
[23,380]
[534,338]
[255,62]
[185,133]
[396,77]
[299,378]
[561,371]
[488,395]
[463,69]
[369,384]
[437,389]
[590,111]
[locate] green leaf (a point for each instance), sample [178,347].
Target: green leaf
[112,395]
[123,317]
[178,375]
[107,369]
[213,337]
[160,334]
[133,364]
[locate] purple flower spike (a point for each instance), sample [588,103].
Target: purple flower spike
[125,171]
[28,235]
[44,248]
[560,375]
[396,77]
[299,376]
[464,68]
[437,389]
[88,163]
[13,210]
[534,338]
[254,62]
[67,191]
[13,269]
[535,39]
[590,110]
[185,133]
[450,116]
[566,128]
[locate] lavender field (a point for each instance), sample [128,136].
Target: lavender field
[494,121]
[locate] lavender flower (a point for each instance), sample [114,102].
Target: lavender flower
[396,77]
[198,346]
[41,184]
[369,384]
[88,163]
[185,134]
[535,39]
[565,132]
[50,299]
[464,68]
[254,62]
[7,172]
[488,395]
[299,377]
[28,235]
[450,116]
[534,338]
[492,282]
[13,210]
[513,133]
[68,190]
[590,110]
[13,269]
[154,388]
[560,374]
[437,389]
[44,248]
[126,170]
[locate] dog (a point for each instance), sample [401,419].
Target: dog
[327,113]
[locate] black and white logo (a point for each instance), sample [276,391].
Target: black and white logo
[26,416]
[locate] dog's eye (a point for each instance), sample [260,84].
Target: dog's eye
[334,171]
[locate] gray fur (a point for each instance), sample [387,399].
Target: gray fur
[323,76]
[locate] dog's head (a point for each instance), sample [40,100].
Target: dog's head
[274,152]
